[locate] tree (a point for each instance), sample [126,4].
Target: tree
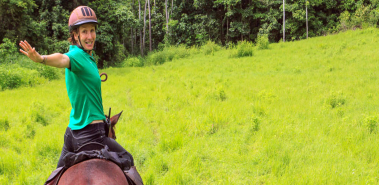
[148,3]
[140,32]
[144,28]
[306,10]
[167,17]
[284,21]
[193,22]
[15,20]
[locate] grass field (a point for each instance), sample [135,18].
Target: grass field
[303,112]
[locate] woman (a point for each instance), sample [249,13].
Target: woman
[87,120]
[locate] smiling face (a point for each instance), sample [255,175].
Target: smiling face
[87,34]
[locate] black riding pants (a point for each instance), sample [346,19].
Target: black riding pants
[74,139]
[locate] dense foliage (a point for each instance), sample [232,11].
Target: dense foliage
[135,27]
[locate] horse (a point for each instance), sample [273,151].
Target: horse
[98,171]
[94,172]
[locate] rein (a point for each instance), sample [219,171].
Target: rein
[108,121]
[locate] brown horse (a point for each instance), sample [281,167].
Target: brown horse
[96,171]
[113,120]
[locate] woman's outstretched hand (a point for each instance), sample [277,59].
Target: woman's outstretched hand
[30,52]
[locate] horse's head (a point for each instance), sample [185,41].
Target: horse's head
[114,120]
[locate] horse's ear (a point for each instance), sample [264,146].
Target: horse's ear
[115,118]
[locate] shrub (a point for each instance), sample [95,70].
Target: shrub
[180,51]
[373,17]
[17,76]
[4,124]
[50,73]
[60,46]
[218,94]
[39,113]
[47,72]
[255,124]
[175,52]
[210,47]
[193,50]
[155,58]
[335,100]
[8,51]
[9,79]
[24,62]
[363,17]
[262,41]
[26,73]
[167,55]
[231,45]
[371,123]
[30,131]
[133,62]
[345,21]
[244,49]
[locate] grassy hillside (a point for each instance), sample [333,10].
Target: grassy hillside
[301,112]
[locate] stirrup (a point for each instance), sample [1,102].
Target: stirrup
[133,175]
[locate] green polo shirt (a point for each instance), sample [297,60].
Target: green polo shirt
[83,85]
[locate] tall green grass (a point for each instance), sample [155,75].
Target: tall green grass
[22,72]
[159,57]
[301,112]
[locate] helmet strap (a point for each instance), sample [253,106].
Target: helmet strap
[81,46]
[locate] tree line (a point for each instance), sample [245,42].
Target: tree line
[137,27]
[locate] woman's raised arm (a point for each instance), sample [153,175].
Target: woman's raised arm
[56,60]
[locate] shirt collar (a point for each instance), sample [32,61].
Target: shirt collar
[75,47]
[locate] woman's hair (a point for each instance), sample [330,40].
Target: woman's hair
[72,37]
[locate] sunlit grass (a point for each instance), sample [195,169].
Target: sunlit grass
[301,112]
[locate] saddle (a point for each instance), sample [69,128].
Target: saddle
[96,150]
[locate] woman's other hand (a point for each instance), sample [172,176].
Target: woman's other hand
[30,52]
